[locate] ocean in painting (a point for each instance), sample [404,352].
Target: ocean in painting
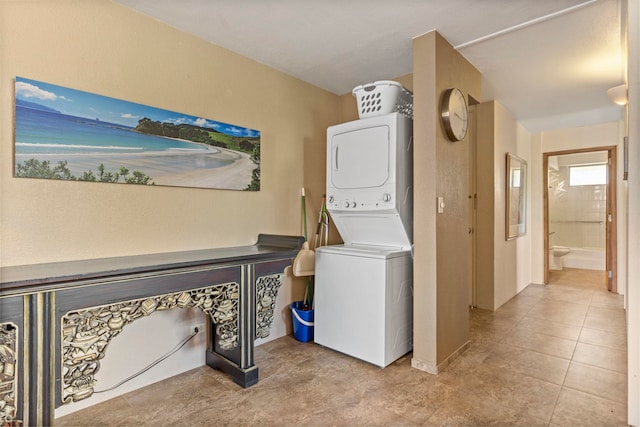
[41,132]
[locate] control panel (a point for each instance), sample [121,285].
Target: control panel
[380,201]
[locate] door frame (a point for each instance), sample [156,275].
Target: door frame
[473,197]
[610,219]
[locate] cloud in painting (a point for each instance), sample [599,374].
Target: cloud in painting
[27,90]
[239,131]
[177,121]
[129,116]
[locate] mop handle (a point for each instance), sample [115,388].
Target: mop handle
[304,214]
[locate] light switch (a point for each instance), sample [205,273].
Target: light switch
[440,204]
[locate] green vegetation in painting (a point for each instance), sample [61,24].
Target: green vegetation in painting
[255,175]
[198,134]
[34,168]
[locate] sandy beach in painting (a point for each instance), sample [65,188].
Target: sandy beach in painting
[214,167]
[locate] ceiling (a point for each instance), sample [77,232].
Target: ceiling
[549,62]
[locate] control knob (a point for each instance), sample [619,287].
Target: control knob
[386,197]
[346,204]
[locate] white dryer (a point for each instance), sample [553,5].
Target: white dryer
[369,180]
[363,292]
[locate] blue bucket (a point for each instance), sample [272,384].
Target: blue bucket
[302,322]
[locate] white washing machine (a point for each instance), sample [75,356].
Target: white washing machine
[363,291]
[363,302]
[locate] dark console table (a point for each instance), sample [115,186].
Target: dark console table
[57,319]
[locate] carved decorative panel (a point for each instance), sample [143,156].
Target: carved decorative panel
[266,292]
[86,333]
[8,372]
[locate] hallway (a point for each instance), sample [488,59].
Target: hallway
[553,355]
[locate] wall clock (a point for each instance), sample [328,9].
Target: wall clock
[454,114]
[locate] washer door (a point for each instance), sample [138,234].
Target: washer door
[360,158]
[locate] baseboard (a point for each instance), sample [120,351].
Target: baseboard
[436,369]
[424,366]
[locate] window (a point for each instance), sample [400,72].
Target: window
[515,178]
[588,175]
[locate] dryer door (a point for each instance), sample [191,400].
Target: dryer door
[360,158]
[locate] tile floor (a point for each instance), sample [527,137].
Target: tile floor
[554,355]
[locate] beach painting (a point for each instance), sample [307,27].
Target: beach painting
[67,134]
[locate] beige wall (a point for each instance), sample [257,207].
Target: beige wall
[102,47]
[485,229]
[525,244]
[632,191]
[424,200]
[599,135]
[442,270]
[537,223]
[503,267]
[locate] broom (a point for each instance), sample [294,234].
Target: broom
[304,262]
[307,256]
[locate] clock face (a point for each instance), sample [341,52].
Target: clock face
[454,114]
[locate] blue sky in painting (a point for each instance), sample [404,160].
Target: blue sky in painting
[84,104]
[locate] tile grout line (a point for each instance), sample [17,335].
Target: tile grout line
[562,386]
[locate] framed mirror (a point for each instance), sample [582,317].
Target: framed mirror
[516,208]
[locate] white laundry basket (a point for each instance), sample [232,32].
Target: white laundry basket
[383,97]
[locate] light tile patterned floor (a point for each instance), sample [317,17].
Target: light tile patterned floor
[554,355]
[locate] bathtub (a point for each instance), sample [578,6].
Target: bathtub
[585,258]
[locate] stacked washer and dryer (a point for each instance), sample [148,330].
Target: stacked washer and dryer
[363,291]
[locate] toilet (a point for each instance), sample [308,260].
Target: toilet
[555,256]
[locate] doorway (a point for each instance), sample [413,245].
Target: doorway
[580,211]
